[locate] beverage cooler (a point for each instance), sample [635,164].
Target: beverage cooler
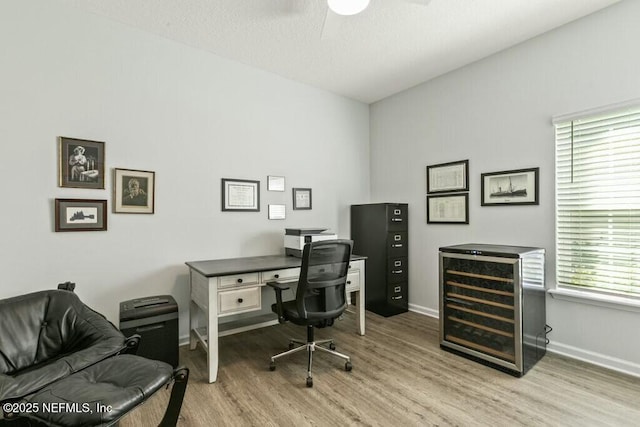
[492,304]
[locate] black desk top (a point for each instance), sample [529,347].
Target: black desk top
[223,267]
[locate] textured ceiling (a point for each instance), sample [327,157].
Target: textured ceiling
[391,46]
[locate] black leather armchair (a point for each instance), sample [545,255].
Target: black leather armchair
[63,364]
[320,298]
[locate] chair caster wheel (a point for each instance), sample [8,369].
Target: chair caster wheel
[332,346]
[309,382]
[348,367]
[272,366]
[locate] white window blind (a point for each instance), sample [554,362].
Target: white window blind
[598,201]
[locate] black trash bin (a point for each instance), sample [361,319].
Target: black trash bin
[155,319]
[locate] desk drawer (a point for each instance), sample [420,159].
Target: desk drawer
[238,280]
[239,300]
[353,281]
[284,274]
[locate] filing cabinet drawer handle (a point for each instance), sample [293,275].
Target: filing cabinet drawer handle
[397,245]
[240,300]
[239,280]
[396,219]
[397,271]
[398,297]
[397,289]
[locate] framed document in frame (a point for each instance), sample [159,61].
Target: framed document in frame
[448,177]
[240,195]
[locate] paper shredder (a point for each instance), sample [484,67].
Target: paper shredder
[155,319]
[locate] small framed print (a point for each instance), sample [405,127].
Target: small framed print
[301,198]
[275,183]
[448,177]
[240,195]
[80,163]
[448,209]
[515,187]
[133,191]
[80,215]
[277,211]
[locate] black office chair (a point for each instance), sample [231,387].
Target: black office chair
[320,298]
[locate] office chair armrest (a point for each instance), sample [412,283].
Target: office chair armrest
[279,287]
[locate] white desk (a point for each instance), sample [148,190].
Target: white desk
[233,288]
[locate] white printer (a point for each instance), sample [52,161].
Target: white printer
[296,238]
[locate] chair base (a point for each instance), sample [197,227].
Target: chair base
[310,346]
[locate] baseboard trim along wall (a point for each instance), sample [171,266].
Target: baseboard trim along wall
[598,359]
[424,310]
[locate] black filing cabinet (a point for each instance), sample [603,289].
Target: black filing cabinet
[155,319]
[380,232]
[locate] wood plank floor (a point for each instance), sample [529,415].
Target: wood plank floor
[400,377]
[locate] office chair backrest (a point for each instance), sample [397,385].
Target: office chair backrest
[321,294]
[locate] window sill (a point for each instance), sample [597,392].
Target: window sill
[593,298]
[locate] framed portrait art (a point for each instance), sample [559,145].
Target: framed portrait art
[80,163]
[514,187]
[80,215]
[240,195]
[133,191]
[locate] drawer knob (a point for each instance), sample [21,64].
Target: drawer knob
[240,300]
[276,276]
[239,280]
[348,282]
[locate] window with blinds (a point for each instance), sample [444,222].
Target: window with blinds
[598,200]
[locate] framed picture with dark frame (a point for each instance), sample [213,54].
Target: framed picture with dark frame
[301,198]
[240,195]
[513,187]
[80,215]
[448,209]
[133,191]
[448,177]
[80,163]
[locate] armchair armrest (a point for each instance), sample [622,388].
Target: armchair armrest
[279,287]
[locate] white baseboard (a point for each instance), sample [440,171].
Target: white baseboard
[599,359]
[424,310]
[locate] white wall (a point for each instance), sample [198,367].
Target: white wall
[191,117]
[497,113]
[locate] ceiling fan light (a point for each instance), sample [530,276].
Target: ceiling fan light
[348,7]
